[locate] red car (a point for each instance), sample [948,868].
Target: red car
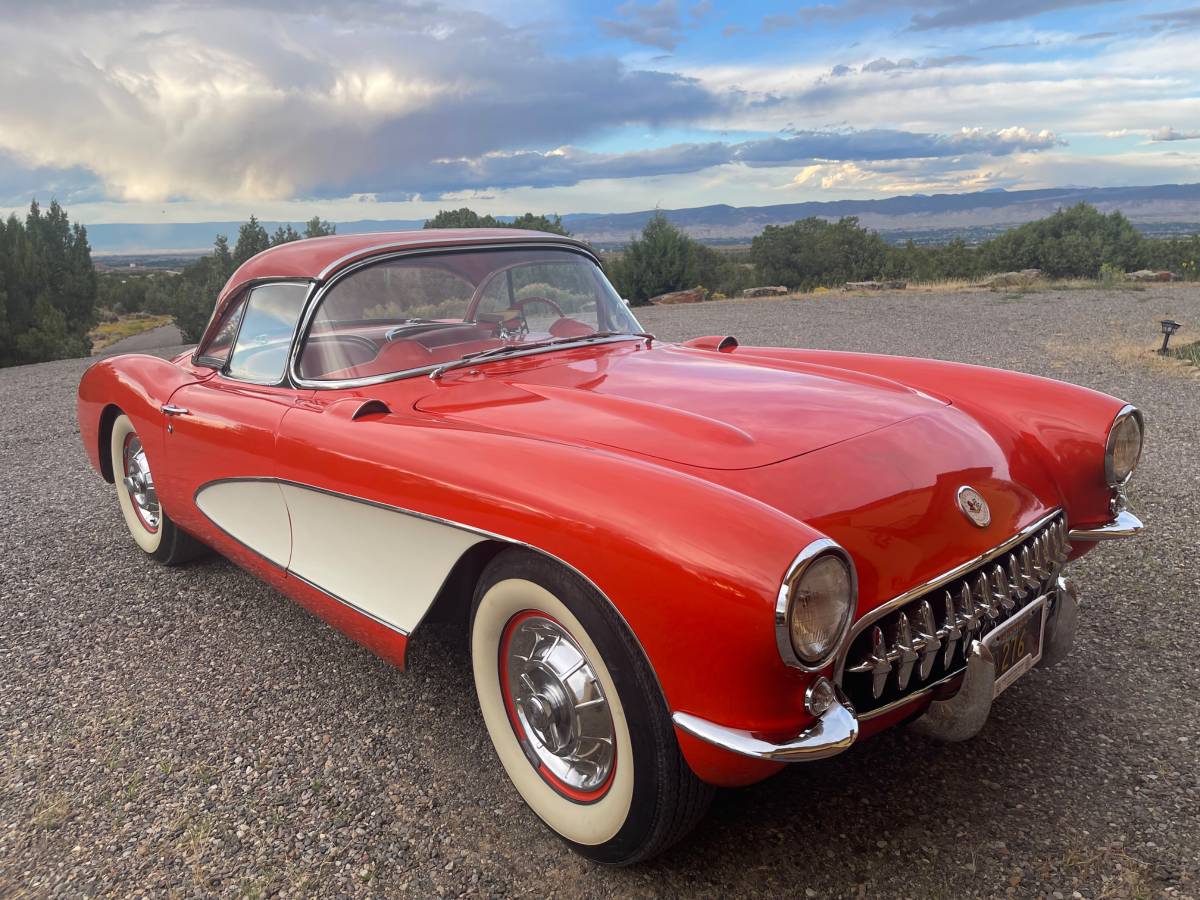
[680,566]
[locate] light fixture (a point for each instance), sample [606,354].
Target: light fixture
[1169,327]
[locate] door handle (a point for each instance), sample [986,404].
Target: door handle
[169,409]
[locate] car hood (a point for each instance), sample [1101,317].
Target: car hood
[689,406]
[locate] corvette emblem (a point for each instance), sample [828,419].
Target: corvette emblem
[974,507]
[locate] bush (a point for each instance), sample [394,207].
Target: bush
[665,259]
[813,252]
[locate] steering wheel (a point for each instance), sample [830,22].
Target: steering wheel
[520,304]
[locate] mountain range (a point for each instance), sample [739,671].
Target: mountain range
[1159,209]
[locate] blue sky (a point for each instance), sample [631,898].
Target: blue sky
[192,110]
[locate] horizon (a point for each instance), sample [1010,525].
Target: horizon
[183,112]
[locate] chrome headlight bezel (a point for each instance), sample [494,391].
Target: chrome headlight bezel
[1111,475]
[783,605]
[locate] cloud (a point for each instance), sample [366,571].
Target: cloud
[1096,36]
[658,24]
[1175,19]
[883,64]
[567,166]
[210,102]
[1167,133]
[935,14]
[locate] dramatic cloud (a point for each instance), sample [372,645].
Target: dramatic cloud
[659,24]
[216,103]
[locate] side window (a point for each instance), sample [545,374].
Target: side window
[216,353]
[265,338]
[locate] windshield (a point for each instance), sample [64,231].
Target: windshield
[420,312]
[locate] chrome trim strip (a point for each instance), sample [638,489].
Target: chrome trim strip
[438,241]
[342,600]
[429,518]
[932,584]
[1126,524]
[1126,411]
[783,637]
[831,734]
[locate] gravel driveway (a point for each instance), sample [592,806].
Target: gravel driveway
[190,731]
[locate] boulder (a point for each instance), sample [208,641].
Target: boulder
[875,285]
[1011,279]
[770,290]
[1149,275]
[694,295]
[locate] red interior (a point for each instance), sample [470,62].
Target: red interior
[347,355]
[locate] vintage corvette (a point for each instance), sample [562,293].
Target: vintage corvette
[679,565]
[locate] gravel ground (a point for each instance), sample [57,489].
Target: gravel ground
[191,731]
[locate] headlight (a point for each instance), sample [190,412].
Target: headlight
[1124,446]
[815,604]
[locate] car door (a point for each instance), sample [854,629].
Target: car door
[221,434]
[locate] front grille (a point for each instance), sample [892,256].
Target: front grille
[926,638]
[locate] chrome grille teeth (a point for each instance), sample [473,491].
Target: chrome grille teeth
[927,641]
[985,600]
[1031,580]
[1016,584]
[910,641]
[902,655]
[1000,591]
[1041,557]
[949,633]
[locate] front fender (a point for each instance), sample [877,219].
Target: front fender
[1062,425]
[692,566]
[137,385]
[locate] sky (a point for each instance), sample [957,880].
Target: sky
[202,110]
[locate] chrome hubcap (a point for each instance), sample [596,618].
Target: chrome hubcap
[557,697]
[140,483]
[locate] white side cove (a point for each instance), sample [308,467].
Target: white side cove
[252,512]
[386,563]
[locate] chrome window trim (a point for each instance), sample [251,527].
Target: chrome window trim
[783,601]
[379,254]
[283,380]
[1126,411]
[933,583]
[243,289]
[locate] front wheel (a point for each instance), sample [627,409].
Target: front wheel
[576,715]
[148,523]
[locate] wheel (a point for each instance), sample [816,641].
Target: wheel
[148,522]
[576,715]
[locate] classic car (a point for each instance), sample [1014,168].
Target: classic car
[679,566]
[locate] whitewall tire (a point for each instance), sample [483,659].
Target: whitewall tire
[575,714]
[149,525]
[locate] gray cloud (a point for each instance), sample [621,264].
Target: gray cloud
[1176,18]
[935,14]
[569,165]
[19,182]
[658,24]
[883,64]
[1167,133]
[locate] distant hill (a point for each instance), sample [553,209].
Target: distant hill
[1163,208]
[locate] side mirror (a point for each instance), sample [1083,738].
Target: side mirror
[625,300]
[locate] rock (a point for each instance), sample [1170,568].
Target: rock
[1011,279]
[695,295]
[770,290]
[1149,275]
[875,285]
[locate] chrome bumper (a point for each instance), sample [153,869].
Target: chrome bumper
[1126,524]
[958,718]
[829,735]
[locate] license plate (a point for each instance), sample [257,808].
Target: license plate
[1017,644]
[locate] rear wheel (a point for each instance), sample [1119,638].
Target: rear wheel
[576,715]
[150,526]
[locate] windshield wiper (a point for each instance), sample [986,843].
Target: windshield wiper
[507,349]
